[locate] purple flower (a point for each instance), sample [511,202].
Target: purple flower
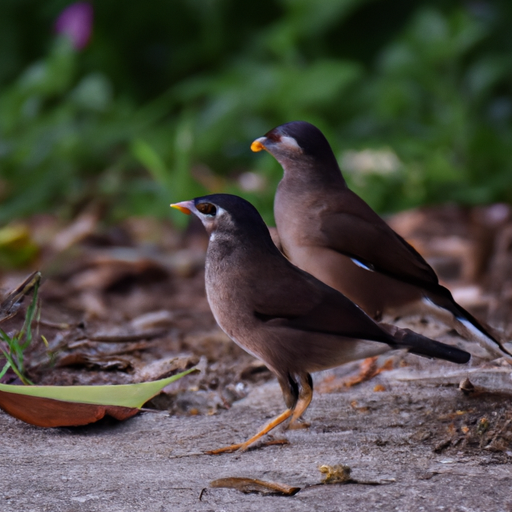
[75,21]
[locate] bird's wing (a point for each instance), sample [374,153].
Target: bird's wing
[372,244]
[300,301]
[296,300]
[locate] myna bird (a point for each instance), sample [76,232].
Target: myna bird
[282,315]
[327,230]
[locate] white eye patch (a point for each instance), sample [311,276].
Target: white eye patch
[289,143]
[220,211]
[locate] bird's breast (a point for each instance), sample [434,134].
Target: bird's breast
[298,216]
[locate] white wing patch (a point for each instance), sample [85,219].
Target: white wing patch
[361,265]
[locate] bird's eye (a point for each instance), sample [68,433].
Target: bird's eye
[207,209]
[273,136]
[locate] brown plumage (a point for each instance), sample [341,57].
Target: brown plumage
[329,231]
[282,315]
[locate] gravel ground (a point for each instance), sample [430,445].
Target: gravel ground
[414,445]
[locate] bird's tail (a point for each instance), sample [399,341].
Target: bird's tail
[423,346]
[471,328]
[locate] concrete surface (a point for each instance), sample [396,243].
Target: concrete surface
[154,462]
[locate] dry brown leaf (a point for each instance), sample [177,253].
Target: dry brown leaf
[64,406]
[248,485]
[12,302]
[46,412]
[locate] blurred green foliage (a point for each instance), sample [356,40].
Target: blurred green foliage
[164,102]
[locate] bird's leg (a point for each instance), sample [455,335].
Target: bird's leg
[291,396]
[265,430]
[305,397]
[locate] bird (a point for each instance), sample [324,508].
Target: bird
[282,315]
[329,231]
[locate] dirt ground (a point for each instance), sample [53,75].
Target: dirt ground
[406,448]
[127,305]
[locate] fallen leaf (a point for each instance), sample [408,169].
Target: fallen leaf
[101,362]
[120,334]
[467,387]
[17,248]
[62,406]
[83,226]
[162,368]
[12,302]
[483,426]
[161,318]
[46,412]
[248,485]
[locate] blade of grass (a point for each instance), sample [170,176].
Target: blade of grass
[7,365]
[14,365]
[14,354]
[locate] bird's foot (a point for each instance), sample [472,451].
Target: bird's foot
[297,425]
[265,430]
[242,447]
[227,449]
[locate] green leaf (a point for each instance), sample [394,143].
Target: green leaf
[153,162]
[124,395]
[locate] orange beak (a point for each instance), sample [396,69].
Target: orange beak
[257,145]
[183,207]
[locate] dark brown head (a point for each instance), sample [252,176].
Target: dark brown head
[229,216]
[297,142]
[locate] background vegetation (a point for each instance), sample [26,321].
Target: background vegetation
[163,103]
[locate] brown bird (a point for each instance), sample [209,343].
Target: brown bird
[327,230]
[282,315]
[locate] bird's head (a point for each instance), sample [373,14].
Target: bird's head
[225,213]
[294,142]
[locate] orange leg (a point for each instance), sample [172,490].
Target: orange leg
[305,397]
[297,393]
[265,430]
